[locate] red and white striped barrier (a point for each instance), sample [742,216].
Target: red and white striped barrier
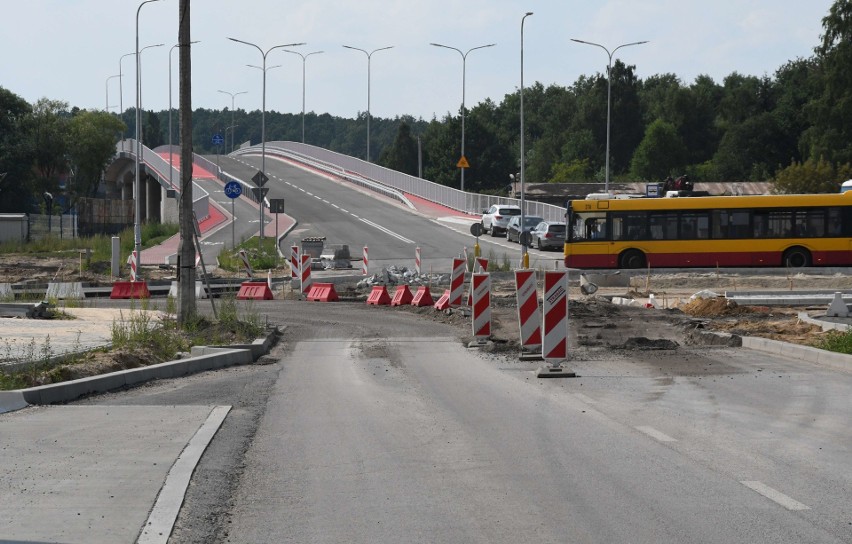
[417,262]
[457,282]
[197,259]
[482,263]
[464,252]
[133,261]
[529,314]
[365,265]
[481,307]
[306,272]
[555,345]
[294,262]
[246,265]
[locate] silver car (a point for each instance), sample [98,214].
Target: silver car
[496,218]
[548,234]
[513,229]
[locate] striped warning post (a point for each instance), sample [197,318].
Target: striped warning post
[197,259]
[365,263]
[481,308]
[481,265]
[464,253]
[457,282]
[306,272]
[294,262]
[529,314]
[133,261]
[555,345]
[246,264]
[417,261]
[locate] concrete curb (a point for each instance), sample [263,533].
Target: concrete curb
[202,358]
[826,325]
[837,361]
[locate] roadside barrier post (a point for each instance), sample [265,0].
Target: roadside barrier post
[529,314]
[555,341]
[365,263]
[481,309]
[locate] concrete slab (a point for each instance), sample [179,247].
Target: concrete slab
[88,473]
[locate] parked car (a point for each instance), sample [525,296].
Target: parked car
[495,218]
[513,229]
[548,234]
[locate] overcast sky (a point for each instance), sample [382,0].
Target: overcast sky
[66,49]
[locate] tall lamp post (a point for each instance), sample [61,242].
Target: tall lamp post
[121,94]
[608,95]
[525,257]
[172,185]
[232,95]
[369,57]
[304,58]
[464,77]
[106,107]
[263,118]
[137,230]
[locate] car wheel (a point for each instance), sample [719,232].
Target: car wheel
[493,232]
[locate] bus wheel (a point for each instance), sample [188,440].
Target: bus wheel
[797,257]
[632,258]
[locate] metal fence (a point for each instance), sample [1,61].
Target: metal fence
[59,226]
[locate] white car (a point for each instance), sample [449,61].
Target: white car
[496,218]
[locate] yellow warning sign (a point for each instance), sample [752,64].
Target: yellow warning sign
[463,162]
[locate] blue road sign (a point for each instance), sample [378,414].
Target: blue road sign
[218,139]
[233,189]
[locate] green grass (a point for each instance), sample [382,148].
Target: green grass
[263,258]
[838,342]
[99,245]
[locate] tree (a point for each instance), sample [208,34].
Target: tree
[811,177]
[661,152]
[48,133]
[16,156]
[91,147]
[402,153]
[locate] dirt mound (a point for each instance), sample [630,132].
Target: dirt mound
[713,307]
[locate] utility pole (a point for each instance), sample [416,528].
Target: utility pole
[186,250]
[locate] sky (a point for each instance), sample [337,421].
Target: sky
[68,49]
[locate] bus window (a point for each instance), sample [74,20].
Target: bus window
[834,222]
[663,225]
[629,226]
[694,226]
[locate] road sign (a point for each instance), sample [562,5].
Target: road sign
[218,139]
[260,179]
[276,205]
[260,192]
[476,229]
[463,162]
[233,189]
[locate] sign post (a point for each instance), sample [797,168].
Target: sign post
[276,206]
[233,190]
[217,140]
[260,180]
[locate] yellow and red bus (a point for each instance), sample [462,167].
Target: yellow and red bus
[710,231]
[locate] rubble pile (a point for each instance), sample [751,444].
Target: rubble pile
[398,275]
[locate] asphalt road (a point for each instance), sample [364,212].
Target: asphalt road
[375,425]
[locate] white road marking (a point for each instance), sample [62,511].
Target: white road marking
[775,495]
[655,434]
[344,211]
[387,231]
[336,206]
[584,398]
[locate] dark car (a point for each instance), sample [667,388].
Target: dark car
[548,235]
[513,229]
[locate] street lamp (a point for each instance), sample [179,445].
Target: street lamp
[172,185]
[121,94]
[106,107]
[464,69]
[263,119]
[369,56]
[525,257]
[304,58]
[137,230]
[232,95]
[608,95]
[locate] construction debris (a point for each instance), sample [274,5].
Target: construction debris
[395,275]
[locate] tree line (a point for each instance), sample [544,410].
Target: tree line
[793,127]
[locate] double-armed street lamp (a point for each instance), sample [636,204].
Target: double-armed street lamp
[233,96]
[106,106]
[463,159]
[137,230]
[608,95]
[524,254]
[263,117]
[369,57]
[304,58]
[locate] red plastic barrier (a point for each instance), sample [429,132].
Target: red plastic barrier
[322,292]
[422,297]
[443,302]
[254,290]
[130,289]
[379,296]
[402,296]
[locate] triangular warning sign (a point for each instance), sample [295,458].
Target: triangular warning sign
[463,162]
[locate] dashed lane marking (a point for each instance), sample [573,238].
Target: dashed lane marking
[774,495]
[655,434]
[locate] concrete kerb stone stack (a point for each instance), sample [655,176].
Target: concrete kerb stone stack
[65,291]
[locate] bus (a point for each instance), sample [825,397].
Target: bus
[710,231]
